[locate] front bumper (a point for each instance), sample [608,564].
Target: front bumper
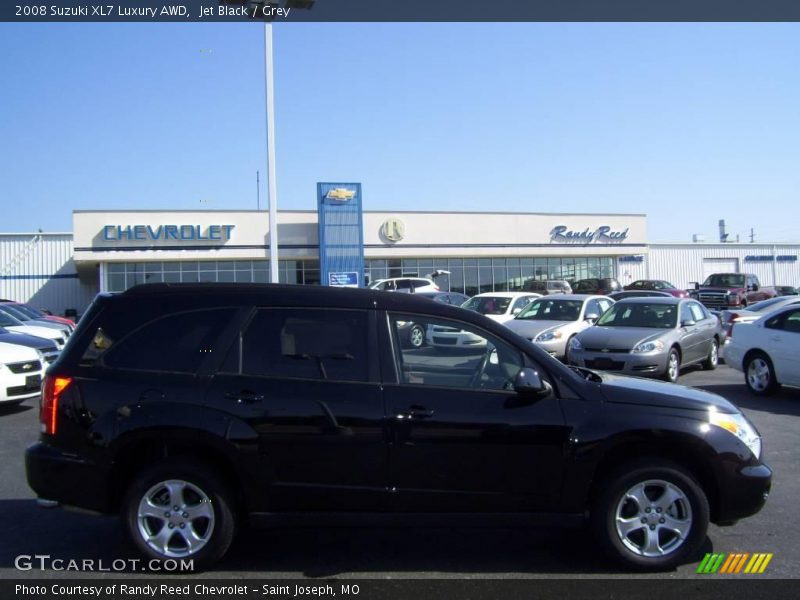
[743,491]
[68,480]
[651,364]
[556,348]
[15,387]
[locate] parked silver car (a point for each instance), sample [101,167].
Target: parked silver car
[650,337]
[551,321]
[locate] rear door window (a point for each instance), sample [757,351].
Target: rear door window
[175,343]
[305,344]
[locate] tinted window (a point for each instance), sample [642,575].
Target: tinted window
[466,356]
[788,321]
[489,305]
[177,343]
[521,303]
[307,344]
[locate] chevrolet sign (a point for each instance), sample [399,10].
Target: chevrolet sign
[340,194]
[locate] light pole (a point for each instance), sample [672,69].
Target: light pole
[272,188]
[269,87]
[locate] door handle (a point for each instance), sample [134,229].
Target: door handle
[244,397]
[414,412]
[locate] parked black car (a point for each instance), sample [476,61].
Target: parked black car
[602,286]
[192,409]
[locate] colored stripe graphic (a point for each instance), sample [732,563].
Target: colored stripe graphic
[734,563]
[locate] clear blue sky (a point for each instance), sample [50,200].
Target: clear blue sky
[687,123]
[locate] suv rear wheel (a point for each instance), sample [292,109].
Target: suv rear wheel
[652,515]
[179,509]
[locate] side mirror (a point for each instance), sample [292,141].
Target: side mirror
[688,323]
[516,311]
[592,317]
[696,286]
[755,287]
[528,383]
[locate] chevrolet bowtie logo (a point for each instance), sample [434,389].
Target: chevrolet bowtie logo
[27,367]
[605,350]
[340,194]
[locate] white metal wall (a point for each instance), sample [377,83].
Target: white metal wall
[683,264]
[38,269]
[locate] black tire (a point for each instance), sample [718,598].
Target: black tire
[712,360]
[215,534]
[759,374]
[671,374]
[617,517]
[416,336]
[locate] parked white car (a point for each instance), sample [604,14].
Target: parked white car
[405,284]
[500,306]
[12,324]
[20,373]
[755,311]
[767,350]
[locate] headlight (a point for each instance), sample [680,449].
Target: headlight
[732,296]
[401,323]
[656,346]
[549,335]
[739,426]
[575,344]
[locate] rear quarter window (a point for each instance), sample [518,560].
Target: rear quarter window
[175,343]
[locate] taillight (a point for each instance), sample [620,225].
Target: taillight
[52,388]
[436,287]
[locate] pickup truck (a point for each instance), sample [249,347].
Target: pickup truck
[722,291]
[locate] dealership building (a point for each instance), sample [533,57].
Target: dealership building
[110,251]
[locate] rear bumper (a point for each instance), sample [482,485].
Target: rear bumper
[66,479]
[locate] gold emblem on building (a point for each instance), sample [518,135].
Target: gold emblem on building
[393,229]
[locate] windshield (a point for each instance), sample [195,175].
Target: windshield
[14,312]
[726,280]
[546,309]
[6,320]
[488,305]
[765,304]
[659,316]
[27,311]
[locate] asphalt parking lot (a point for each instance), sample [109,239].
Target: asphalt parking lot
[411,553]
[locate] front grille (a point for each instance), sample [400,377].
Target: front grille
[714,300]
[619,350]
[31,366]
[605,364]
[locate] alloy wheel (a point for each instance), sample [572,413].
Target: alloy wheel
[175,518]
[653,518]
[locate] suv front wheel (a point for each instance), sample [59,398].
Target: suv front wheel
[652,515]
[179,510]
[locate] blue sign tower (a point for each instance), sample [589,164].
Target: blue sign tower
[341,234]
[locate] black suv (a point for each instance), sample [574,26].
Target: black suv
[602,286]
[193,409]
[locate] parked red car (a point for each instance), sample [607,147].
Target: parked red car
[657,285]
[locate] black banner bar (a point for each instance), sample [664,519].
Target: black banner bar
[712,587]
[244,11]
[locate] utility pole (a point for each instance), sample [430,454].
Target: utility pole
[258,193]
[752,236]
